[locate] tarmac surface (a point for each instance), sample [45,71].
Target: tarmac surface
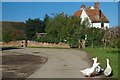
[62,63]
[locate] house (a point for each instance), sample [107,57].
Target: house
[40,35]
[94,15]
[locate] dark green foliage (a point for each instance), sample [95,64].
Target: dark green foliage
[118,44]
[54,26]
[73,41]
[95,35]
[70,29]
[6,35]
[46,20]
[62,29]
[33,26]
[10,34]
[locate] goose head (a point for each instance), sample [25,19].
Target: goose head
[82,71]
[94,59]
[107,60]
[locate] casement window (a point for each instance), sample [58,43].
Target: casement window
[102,25]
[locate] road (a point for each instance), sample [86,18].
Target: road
[62,63]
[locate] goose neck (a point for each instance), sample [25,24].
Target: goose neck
[94,66]
[107,63]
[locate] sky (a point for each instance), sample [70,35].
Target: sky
[21,11]
[59,0]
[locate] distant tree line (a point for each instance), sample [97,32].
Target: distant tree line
[65,29]
[12,31]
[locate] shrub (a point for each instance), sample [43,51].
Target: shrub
[73,42]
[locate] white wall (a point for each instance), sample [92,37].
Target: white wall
[84,16]
[97,25]
[106,24]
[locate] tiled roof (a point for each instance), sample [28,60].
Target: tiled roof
[92,13]
[78,13]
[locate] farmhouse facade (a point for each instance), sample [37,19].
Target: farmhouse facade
[94,15]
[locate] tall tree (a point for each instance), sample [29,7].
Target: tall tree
[6,35]
[32,27]
[46,19]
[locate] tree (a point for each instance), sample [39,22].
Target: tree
[6,35]
[61,28]
[52,29]
[74,25]
[46,19]
[17,35]
[12,31]
[11,34]
[32,27]
[70,29]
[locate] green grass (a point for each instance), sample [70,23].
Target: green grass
[102,54]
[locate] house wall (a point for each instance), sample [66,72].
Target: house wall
[84,16]
[106,25]
[97,25]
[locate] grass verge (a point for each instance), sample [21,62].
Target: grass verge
[102,54]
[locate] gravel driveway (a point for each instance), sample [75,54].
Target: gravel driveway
[62,63]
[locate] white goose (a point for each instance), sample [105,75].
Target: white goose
[89,71]
[94,60]
[108,70]
[98,69]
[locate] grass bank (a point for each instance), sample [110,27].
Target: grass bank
[102,54]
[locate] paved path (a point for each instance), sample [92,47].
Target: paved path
[62,63]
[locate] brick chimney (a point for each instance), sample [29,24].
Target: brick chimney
[97,8]
[82,6]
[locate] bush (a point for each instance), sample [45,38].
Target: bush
[114,43]
[6,35]
[118,44]
[73,42]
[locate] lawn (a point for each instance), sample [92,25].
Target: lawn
[102,54]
